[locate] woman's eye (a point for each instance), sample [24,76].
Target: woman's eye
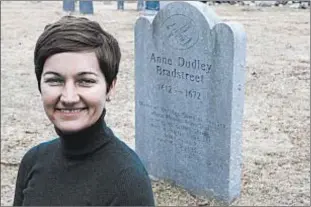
[54,81]
[86,82]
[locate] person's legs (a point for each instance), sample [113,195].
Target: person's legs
[153,5]
[86,7]
[140,5]
[69,5]
[120,4]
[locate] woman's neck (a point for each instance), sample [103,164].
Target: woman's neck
[86,141]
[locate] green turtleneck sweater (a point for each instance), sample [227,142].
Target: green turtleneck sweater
[90,167]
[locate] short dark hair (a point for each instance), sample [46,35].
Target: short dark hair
[77,34]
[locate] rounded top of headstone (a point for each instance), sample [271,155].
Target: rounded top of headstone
[178,25]
[188,8]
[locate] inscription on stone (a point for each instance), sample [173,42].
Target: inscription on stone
[181,32]
[189,86]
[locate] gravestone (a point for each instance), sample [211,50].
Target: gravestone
[189,86]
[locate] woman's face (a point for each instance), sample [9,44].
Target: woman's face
[73,90]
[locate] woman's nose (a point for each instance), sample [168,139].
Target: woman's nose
[69,94]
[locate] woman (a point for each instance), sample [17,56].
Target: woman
[76,65]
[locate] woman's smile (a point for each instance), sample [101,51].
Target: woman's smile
[70,112]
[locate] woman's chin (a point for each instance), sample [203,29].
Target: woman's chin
[70,127]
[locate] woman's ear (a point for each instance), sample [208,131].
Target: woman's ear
[112,89]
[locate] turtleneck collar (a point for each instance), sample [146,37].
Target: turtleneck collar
[85,142]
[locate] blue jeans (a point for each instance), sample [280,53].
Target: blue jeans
[153,5]
[150,5]
[86,7]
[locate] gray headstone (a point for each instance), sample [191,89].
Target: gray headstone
[189,86]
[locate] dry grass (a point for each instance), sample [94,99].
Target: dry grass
[276,130]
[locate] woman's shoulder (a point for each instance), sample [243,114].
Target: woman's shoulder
[123,157]
[132,183]
[39,149]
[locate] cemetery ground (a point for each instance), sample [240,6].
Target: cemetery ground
[276,128]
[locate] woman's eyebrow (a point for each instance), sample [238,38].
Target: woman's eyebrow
[86,73]
[79,74]
[51,73]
